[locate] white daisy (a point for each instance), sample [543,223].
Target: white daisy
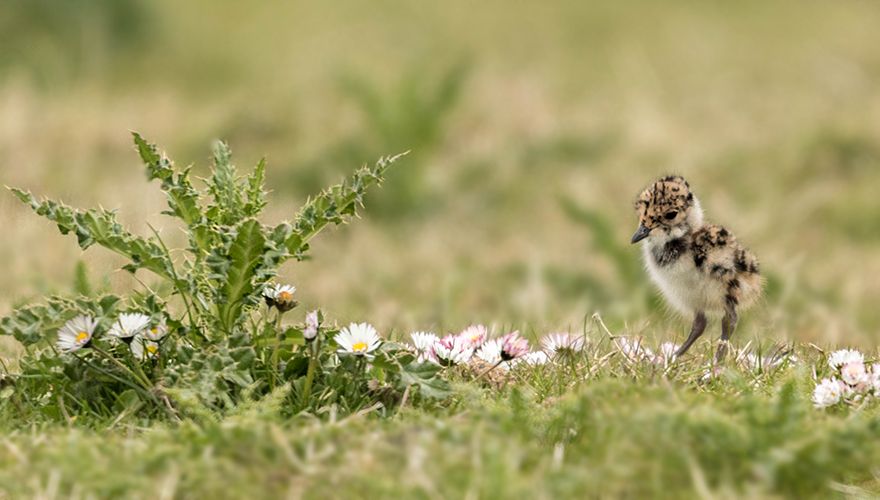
[280,296]
[633,349]
[855,375]
[844,356]
[827,393]
[358,338]
[313,322]
[156,332]
[535,358]
[143,348]
[563,344]
[474,335]
[128,325]
[422,343]
[452,350]
[666,353]
[76,333]
[490,351]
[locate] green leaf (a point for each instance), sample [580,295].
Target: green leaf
[255,193]
[426,377]
[101,227]
[224,187]
[333,206]
[245,255]
[33,323]
[183,198]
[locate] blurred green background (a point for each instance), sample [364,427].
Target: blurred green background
[533,126]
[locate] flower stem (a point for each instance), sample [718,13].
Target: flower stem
[310,374]
[275,350]
[141,380]
[496,365]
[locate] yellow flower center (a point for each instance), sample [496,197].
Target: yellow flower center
[154,330]
[81,337]
[359,347]
[152,349]
[284,297]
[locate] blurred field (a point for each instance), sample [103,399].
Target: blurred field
[533,126]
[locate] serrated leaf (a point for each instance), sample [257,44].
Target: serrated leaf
[426,377]
[183,198]
[245,254]
[333,206]
[101,227]
[255,193]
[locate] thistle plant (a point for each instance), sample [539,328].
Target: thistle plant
[203,332]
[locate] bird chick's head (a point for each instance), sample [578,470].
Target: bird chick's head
[667,209]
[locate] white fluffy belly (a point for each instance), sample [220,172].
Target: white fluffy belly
[686,288]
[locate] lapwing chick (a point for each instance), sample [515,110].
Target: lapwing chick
[701,269]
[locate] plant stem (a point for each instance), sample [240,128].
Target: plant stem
[179,288]
[496,365]
[310,374]
[276,349]
[141,380]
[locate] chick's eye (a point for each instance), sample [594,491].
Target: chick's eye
[670,215]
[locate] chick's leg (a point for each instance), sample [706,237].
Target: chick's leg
[697,329]
[728,325]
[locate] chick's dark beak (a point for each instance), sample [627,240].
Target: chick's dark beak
[641,233]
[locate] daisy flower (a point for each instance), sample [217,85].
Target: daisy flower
[844,356]
[667,353]
[358,338]
[156,332]
[76,333]
[535,358]
[452,350]
[633,349]
[280,296]
[474,335]
[422,342]
[313,322]
[562,343]
[827,393]
[128,325]
[854,374]
[490,351]
[143,348]
[513,346]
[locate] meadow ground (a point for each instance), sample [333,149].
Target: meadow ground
[532,128]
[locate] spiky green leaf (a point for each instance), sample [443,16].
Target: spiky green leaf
[245,254]
[100,227]
[333,206]
[183,198]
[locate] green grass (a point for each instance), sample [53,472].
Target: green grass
[606,428]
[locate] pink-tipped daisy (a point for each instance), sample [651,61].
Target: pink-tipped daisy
[845,356]
[513,346]
[422,343]
[452,350]
[474,335]
[313,323]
